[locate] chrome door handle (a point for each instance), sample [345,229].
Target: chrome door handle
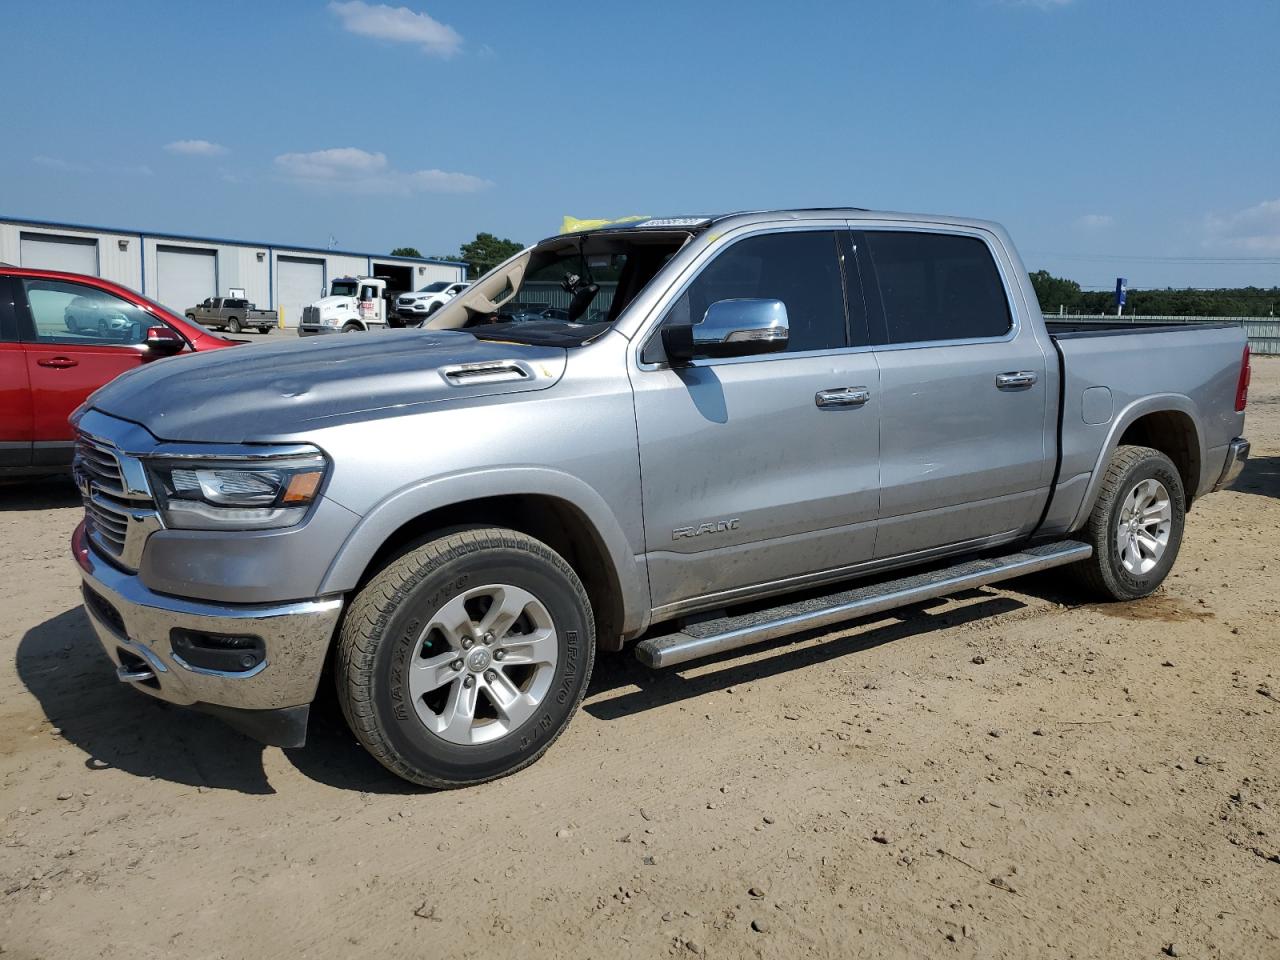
[1022,378]
[842,397]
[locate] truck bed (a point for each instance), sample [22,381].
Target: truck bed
[1113,372]
[1064,329]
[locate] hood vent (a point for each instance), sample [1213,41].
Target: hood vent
[490,371]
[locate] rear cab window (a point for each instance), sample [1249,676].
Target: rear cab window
[935,287]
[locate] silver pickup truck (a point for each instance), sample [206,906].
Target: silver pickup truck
[865,407]
[232,313]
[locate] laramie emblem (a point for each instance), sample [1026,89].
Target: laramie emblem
[715,526]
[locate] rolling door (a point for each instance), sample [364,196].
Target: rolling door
[299,281]
[185,276]
[47,251]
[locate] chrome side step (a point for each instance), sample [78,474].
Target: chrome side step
[728,633]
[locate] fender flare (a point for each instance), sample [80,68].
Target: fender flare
[1158,403]
[406,504]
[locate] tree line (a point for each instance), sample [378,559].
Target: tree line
[481,255]
[1058,292]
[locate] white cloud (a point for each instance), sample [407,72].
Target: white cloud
[1256,228]
[399,25]
[1095,221]
[350,168]
[57,163]
[196,148]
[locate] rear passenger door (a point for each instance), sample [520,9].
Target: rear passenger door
[749,476]
[964,452]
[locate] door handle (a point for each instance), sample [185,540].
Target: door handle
[842,397]
[1011,381]
[58,363]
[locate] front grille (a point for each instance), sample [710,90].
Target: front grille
[311,315]
[109,508]
[97,462]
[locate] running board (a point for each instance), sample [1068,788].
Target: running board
[710,637]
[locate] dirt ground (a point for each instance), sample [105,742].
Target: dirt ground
[1009,774]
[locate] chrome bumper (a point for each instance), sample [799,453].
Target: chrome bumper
[315,331]
[1237,456]
[133,625]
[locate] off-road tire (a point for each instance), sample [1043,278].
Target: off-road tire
[381,630]
[233,324]
[1103,575]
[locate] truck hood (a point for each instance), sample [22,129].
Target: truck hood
[279,391]
[335,303]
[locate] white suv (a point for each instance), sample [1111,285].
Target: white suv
[420,305]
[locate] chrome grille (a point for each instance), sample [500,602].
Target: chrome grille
[117,519]
[97,462]
[107,523]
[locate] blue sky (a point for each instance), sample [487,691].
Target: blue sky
[1135,137]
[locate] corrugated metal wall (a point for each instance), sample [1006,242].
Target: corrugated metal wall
[130,259]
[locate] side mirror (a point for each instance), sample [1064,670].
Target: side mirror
[730,328]
[164,342]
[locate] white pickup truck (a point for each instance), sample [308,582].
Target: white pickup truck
[354,304]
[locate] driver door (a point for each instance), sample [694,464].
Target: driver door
[750,481]
[76,338]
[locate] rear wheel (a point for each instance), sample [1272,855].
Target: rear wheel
[233,324]
[1135,527]
[465,659]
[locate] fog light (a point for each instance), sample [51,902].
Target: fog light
[222,652]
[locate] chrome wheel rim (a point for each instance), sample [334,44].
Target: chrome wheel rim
[483,664]
[1143,526]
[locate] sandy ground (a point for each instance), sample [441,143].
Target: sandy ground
[1009,774]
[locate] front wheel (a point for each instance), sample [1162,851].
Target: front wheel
[1135,527]
[464,660]
[352,328]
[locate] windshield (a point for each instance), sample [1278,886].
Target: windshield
[574,287]
[343,288]
[435,287]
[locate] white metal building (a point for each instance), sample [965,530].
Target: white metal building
[180,271]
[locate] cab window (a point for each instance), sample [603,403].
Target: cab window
[63,312]
[801,268]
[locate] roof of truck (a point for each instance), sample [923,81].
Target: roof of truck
[696,223]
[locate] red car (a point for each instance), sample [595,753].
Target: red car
[63,335]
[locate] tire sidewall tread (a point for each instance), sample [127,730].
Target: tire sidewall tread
[1103,574]
[380,630]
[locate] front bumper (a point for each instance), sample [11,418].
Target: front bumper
[310,331]
[134,626]
[1237,457]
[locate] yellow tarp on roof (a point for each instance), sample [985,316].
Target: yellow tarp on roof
[573,224]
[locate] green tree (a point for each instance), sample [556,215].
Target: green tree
[405,252]
[1054,292]
[486,251]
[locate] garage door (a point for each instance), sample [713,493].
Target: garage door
[299,281]
[49,251]
[185,276]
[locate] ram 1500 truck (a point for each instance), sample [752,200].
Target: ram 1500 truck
[232,313]
[866,407]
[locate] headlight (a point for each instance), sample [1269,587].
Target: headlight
[331,321]
[236,494]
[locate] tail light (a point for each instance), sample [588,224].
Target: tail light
[1242,385]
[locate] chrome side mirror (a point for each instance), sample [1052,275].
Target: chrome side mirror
[730,328]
